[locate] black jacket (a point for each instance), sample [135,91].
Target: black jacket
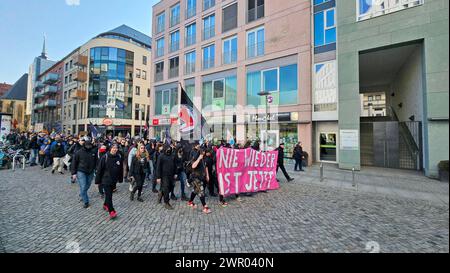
[74,148]
[166,166]
[138,167]
[280,156]
[298,153]
[110,170]
[57,150]
[84,161]
[33,143]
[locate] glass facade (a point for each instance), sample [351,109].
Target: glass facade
[218,94]
[111,83]
[281,82]
[165,100]
[325,27]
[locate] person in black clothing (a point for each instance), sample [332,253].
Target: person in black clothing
[298,156]
[138,170]
[58,152]
[198,177]
[165,174]
[210,162]
[83,167]
[156,154]
[109,172]
[34,147]
[280,163]
[101,152]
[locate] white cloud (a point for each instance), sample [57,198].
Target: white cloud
[73,2]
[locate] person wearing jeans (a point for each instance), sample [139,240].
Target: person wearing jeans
[83,168]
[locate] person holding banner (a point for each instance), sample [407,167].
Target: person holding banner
[280,163]
[198,176]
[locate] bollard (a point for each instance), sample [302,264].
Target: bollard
[321,172]
[353,177]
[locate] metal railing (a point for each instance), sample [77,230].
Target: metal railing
[255,50]
[255,13]
[207,4]
[173,72]
[208,33]
[159,77]
[174,46]
[379,8]
[189,68]
[229,57]
[174,21]
[160,52]
[190,12]
[208,63]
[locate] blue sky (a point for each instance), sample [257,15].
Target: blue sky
[67,25]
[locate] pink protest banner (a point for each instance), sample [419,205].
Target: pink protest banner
[246,170]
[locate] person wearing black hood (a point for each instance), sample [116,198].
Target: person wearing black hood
[109,172]
[280,163]
[83,167]
[165,174]
[138,170]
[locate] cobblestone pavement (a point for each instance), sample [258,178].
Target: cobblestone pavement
[40,212]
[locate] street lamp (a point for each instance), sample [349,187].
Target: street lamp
[266,94]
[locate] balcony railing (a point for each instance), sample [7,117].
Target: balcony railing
[159,77]
[208,33]
[39,85]
[208,63]
[229,57]
[255,50]
[174,46]
[50,89]
[173,72]
[190,12]
[174,21]
[80,76]
[255,13]
[38,106]
[190,40]
[50,103]
[373,8]
[80,60]
[79,95]
[208,4]
[38,94]
[51,78]
[189,68]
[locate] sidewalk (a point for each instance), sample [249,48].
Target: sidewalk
[388,182]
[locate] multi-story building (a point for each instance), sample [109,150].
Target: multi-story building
[226,54]
[399,49]
[39,65]
[13,103]
[108,78]
[48,99]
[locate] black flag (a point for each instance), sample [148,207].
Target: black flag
[187,101]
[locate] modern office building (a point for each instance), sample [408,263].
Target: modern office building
[48,99]
[108,78]
[39,65]
[13,103]
[399,50]
[224,54]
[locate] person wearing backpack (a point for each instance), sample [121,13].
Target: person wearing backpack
[109,172]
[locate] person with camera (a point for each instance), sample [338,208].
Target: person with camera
[83,168]
[138,170]
[110,172]
[199,175]
[165,175]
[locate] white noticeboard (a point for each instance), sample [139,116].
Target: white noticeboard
[349,140]
[5,126]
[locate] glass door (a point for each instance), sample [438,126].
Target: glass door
[327,147]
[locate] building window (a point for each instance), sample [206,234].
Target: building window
[71,64]
[209,25]
[159,71]
[255,43]
[138,90]
[160,22]
[136,111]
[148,93]
[191,8]
[219,93]
[70,78]
[207,4]
[191,33]
[160,47]
[174,64]
[190,59]
[325,27]
[175,41]
[229,51]
[175,15]
[66,80]
[230,19]
[255,10]
[144,60]
[370,8]
[370,98]
[138,73]
[325,87]
[67,66]
[144,74]
[281,82]
[208,57]
[165,100]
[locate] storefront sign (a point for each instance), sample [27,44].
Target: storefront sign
[246,170]
[107,122]
[269,117]
[349,140]
[165,121]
